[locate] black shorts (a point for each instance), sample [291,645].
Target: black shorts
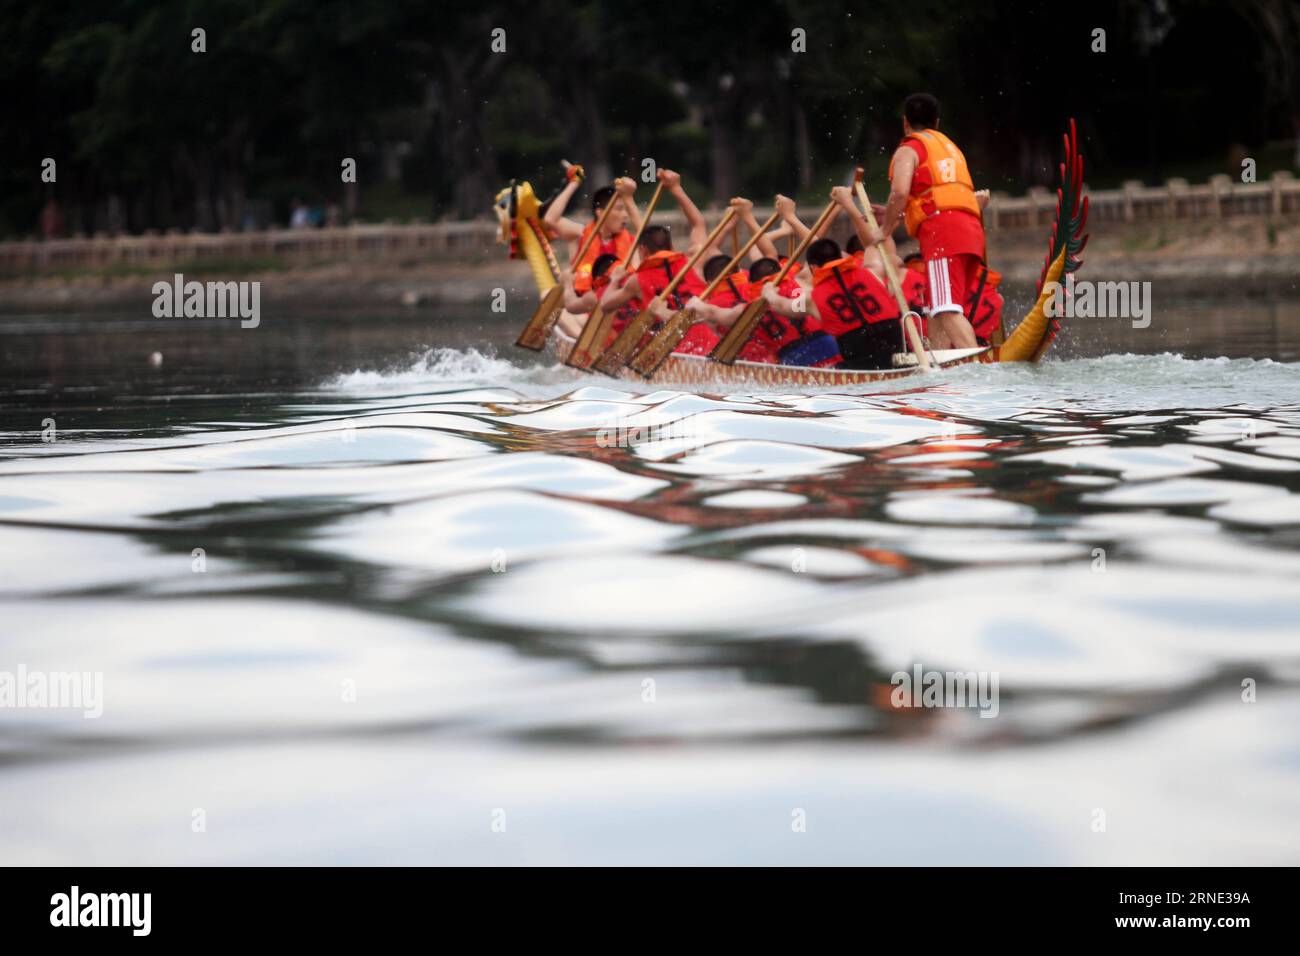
[873,345]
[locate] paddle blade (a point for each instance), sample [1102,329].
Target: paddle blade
[616,355]
[539,326]
[729,348]
[649,358]
[594,333]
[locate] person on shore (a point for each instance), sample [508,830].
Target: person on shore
[931,189]
[299,215]
[52,222]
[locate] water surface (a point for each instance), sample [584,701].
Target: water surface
[446,586]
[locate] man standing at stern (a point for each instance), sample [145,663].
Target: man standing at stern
[931,188]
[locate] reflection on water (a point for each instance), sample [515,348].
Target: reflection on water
[649,625]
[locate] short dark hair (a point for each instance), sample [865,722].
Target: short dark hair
[854,244]
[657,239]
[762,268]
[921,110]
[603,264]
[600,197]
[713,268]
[912,257]
[823,251]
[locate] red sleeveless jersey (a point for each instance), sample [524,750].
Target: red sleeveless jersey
[915,289]
[732,291]
[628,311]
[736,290]
[988,314]
[849,297]
[774,332]
[654,274]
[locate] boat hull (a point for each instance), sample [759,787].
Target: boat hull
[699,371]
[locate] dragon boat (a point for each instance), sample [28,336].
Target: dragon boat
[518,209]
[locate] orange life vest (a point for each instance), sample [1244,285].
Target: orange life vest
[732,291]
[620,245]
[941,182]
[656,272]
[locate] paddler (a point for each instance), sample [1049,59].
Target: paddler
[985,307]
[776,339]
[849,301]
[931,188]
[614,239]
[912,280]
[659,265]
[733,289]
[579,305]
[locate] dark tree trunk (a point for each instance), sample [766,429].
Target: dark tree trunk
[720,115]
[802,147]
[468,160]
[590,133]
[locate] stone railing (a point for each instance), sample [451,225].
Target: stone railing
[295,246]
[1221,197]
[1276,198]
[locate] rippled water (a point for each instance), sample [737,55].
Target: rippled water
[457,590]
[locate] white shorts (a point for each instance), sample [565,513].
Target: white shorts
[952,279]
[940,277]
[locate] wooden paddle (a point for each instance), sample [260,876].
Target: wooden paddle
[648,360]
[729,348]
[548,312]
[912,333]
[599,322]
[613,358]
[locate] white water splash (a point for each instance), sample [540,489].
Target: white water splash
[443,366]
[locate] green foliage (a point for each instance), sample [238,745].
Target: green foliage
[438,122]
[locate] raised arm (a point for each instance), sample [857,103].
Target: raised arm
[785,206]
[625,188]
[764,247]
[844,196]
[699,231]
[564,228]
[775,236]
[900,187]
